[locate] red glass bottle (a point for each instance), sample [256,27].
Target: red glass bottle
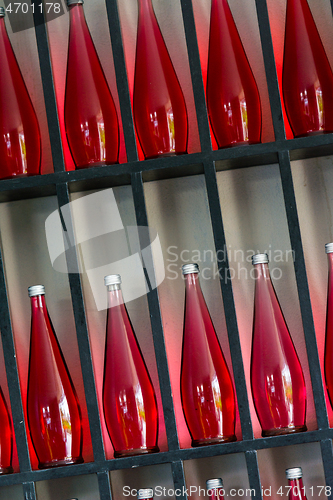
[145,494]
[277,380]
[297,491]
[20,144]
[215,489]
[232,94]
[328,362]
[158,102]
[6,437]
[91,120]
[129,400]
[307,78]
[54,415]
[207,391]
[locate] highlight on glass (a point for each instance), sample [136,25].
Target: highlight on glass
[277,379]
[307,78]
[20,146]
[159,107]
[207,391]
[233,99]
[53,410]
[91,120]
[129,400]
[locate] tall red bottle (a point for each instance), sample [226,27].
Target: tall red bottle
[6,437]
[129,400]
[328,363]
[307,79]
[207,391]
[91,120]
[232,94]
[297,491]
[20,144]
[215,489]
[277,380]
[158,102]
[54,415]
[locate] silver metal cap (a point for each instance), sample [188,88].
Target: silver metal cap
[2,12]
[214,483]
[260,258]
[112,279]
[36,290]
[190,268]
[329,247]
[145,493]
[294,473]
[73,2]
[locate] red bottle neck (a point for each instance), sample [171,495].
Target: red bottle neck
[192,281]
[38,304]
[77,18]
[262,272]
[115,297]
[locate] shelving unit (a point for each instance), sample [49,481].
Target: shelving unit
[135,173]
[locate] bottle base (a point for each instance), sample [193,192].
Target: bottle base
[284,430]
[6,470]
[96,164]
[60,463]
[165,155]
[217,440]
[136,451]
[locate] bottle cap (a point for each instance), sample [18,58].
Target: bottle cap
[112,279]
[294,473]
[260,258]
[2,12]
[145,493]
[36,290]
[190,268]
[73,2]
[214,483]
[329,247]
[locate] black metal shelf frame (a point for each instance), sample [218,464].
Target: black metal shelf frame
[135,173]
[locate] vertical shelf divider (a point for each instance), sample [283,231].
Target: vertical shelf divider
[228,300]
[82,336]
[156,324]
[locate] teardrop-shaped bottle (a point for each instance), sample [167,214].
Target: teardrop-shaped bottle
[328,363]
[277,380]
[207,391]
[215,489]
[297,490]
[91,120]
[6,437]
[232,94]
[129,400]
[54,415]
[160,113]
[307,78]
[20,144]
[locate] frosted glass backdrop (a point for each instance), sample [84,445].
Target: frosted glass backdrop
[255,221]
[137,309]
[313,179]
[27,262]
[178,210]
[25,49]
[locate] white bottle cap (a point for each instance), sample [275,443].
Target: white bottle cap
[145,493]
[260,258]
[36,290]
[214,483]
[329,247]
[294,473]
[2,12]
[73,2]
[112,279]
[190,268]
